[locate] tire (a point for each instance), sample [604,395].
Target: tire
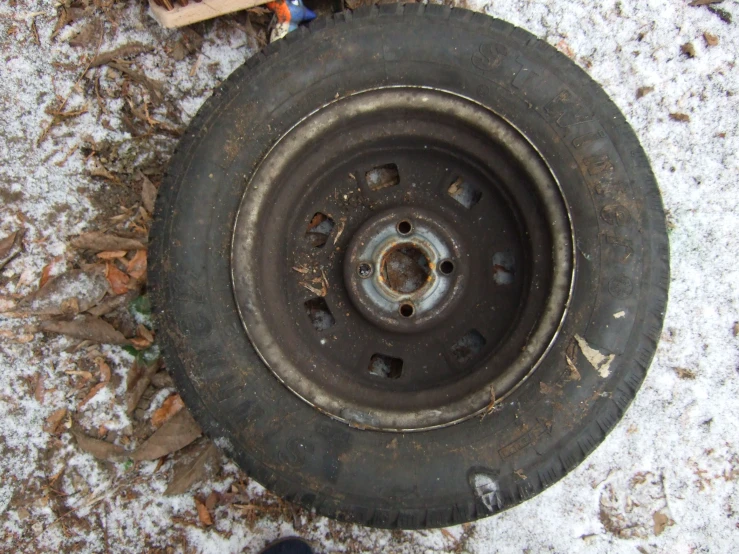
[446,471]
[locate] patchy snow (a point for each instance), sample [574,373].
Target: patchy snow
[665,480]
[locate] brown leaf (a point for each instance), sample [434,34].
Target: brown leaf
[112,303]
[574,373]
[169,407]
[93,391]
[39,391]
[711,40]
[136,268]
[55,418]
[680,117]
[117,279]
[203,514]
[102,450]
[565,48]
[643,91]
[192,468]
[86,327]
[45,274]
[144,333]
[87,36]
[148,194]
[6,247]
[87,286]
[704,2]
[10,247]
[211,501]
[111,254]
[140,343]
[139,379]
[688,49]
[447,534]
[179,431]
[661,521]
[99,242]
[683,373]
[70,306]
[125,51]
[104,370]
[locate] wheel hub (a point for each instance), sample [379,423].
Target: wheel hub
[400,257]
[405,269]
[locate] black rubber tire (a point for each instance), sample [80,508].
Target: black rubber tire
[552,421]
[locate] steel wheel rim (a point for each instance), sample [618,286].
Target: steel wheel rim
[399,118]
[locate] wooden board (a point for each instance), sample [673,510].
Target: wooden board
[198,11]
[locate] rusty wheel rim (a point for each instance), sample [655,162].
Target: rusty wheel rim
[402,259]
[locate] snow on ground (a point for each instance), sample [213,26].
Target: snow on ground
[665,480]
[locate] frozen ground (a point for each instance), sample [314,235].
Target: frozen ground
[665,480]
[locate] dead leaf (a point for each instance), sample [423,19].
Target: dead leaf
[203,514]
[86,286]
[117,279]
[711,40]
[139,379]
[447,534]
[39,390]
[683,373]
[93,391]
[736,328]
[140,343]
[87,36]
[520,473]
[111,254]
[680,117]
[153,87]
[179,431]
[112,303]
[661,521]
[55,418]
[86,327]
[211,501]
[574,373]
[704,2]
[100,449]
[99,242]
[136,268]
[148,194]
[86,375]
[144,333]
[563,47]
[192,468]
[125,51]
[104,370]
[70,306]
[688,49]
[45,274]
[169,408]
[491,405]
[10,246]
[643,91]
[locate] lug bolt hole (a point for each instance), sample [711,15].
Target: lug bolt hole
[446,267]
[404,227]
[406,310]
[364,270]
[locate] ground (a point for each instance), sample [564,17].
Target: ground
[84,143]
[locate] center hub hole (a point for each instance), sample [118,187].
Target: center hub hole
[405,269]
